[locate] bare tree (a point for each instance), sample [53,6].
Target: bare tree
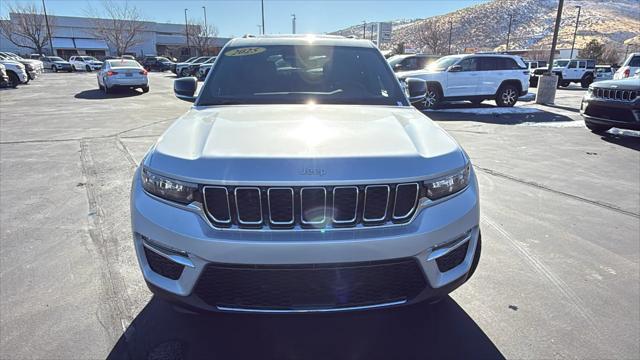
[433,36]
[201,36]
[26,27]
[538,52]
[612,54]
[119,24]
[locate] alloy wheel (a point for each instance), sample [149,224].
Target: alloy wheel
[509,96]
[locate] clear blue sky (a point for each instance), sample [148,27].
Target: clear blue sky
[242,16]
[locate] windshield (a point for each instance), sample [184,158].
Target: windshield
[55,58]
[560,63]
[123,63]
[395,59]
[210,61]
[90,58]
[299,74]
[443,63]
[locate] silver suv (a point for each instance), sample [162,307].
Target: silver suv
[302,180]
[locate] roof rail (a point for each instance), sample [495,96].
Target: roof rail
[245,36]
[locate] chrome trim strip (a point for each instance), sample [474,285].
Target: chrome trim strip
[364,209]
[184,261]
[235,194]
[355,212]
[278,311]
[293,217]
[447,248]
[395,202]
[204,200]
[324,212]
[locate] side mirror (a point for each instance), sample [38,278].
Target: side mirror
[417,89]
[185,88]
[454,68]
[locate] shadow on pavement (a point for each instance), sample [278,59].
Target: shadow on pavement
[97,94]
[623,138]
[487,112]
[439,331]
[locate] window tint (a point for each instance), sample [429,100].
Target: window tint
[410,63]
[591,64]
[469,64]
[635,61]
[573,65]
[487,64]
[534,65]
[582,64]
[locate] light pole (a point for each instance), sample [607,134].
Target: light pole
[293,23]
[450,29]
[509,32]
[547,83]
[262,6]
[371,34]
[364,29]
[186,30]
[206,30]
[575,32]
[46,20]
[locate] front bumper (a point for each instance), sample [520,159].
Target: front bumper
[620,114]
[183,236]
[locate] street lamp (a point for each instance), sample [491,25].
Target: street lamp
[262,7]
[575,32]
[186,30]
[293,23]
[206,29]
[450,29]
[509,32]
[364,29]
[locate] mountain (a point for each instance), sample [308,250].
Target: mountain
[485,26]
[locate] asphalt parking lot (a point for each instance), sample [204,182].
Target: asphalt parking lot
[559,275]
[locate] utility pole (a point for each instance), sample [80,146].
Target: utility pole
[262,3]
[509,32]
[450,30]
[547,83]
[371,34]
[575,32]
[46,20]
[186,31]
[293,23]
[206,30]
[364,29]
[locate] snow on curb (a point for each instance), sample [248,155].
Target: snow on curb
[491,110]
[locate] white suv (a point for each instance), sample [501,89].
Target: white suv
[474,77]
[87,63]
[629,67]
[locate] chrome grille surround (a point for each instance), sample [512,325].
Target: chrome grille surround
[353,215]
[613,94]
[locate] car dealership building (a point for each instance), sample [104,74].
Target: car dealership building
[76,36]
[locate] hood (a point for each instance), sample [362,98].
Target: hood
[304,143]
[61,62]
[623,84]
[421,72]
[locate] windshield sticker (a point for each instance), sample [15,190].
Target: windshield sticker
[245,51]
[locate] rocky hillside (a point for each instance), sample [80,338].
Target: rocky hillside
[485,26]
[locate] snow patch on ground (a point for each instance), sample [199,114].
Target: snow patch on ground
[556,124]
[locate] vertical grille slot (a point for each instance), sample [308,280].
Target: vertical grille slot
[405,201]
[376,200]
[280,206]
[216,202]
[249,205]
[345,204]
[313,205]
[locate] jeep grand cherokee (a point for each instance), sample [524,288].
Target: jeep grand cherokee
[302,180]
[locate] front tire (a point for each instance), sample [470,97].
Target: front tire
[597,129]
[54,68]
[14,80]
[432,98]
[507,96]
[145,89]
[88,68]
[184,73]
[586,81]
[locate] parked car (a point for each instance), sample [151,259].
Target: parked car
[604,72]
[4,78]
[474,77]
[629,67]
[613,103]
[16,72]
[157,63]
[183,64]
[184,69]
[569,71]
[411,62]
[85,63]
[56,64]
[33,67]
[213,217]
[122,73]
[192,69]
[128,57]
[204,68]
[532,65]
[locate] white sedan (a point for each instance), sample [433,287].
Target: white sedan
[122,73]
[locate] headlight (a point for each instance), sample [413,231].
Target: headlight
[169,189]
[451,184]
